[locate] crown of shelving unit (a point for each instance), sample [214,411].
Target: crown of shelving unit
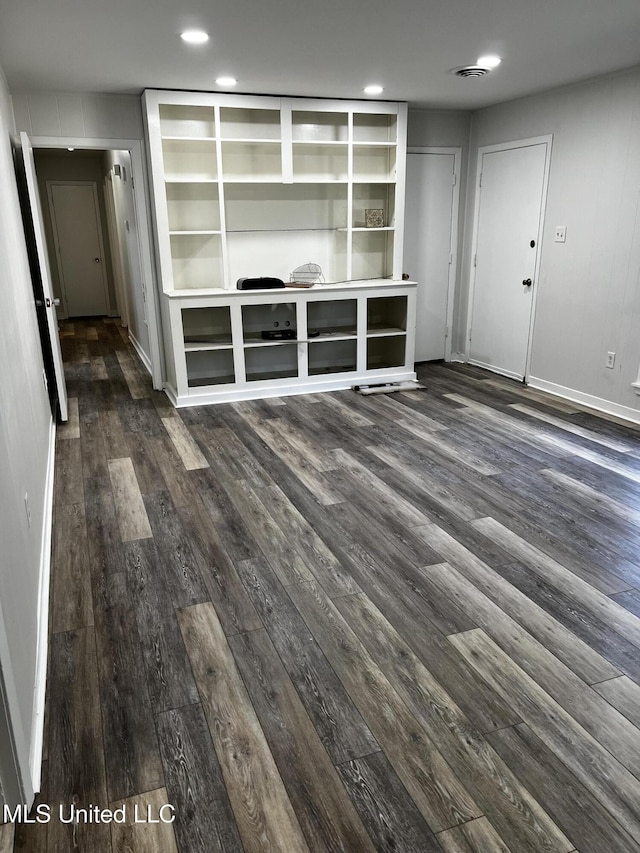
[250,186]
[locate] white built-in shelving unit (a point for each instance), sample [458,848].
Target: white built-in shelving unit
[250,186]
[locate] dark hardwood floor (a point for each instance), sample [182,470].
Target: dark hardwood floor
[403,623]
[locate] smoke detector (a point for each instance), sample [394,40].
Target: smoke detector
[471,71]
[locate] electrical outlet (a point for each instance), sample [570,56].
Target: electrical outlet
[27,508]
[561,234]
[611,359]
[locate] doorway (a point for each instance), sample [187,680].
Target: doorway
[430,244]
[79,247]
[509,215]
[122,164]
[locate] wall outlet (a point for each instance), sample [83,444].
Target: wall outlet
[561,234]
[611,359]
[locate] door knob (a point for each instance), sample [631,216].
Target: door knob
[527,282]
[39,303]
[56,302]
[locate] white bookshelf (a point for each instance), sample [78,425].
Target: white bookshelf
[251,186]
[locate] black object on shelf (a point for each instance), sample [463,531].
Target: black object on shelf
[278,334]
[264,283]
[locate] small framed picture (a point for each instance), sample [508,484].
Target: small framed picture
[374,217]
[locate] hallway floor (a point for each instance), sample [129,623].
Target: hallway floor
[400,623]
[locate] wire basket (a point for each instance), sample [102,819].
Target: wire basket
[307,275]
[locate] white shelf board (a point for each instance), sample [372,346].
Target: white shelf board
[390,331]
[192,233]
[189,138]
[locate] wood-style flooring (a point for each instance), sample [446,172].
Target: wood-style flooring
[403,623]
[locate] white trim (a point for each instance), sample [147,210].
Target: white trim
[489,149]
[39,693]
[588,400]
[144,358]
[491,367]
[453,244]
[337,382]
[460,357]
[636,385]
[139,173]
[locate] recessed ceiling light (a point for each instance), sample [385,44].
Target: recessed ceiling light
[194,36]
[374,89]
[226,81]
[490,61]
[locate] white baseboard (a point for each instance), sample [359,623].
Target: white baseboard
[598,403]
[460,357]
[39,693]
[144,358]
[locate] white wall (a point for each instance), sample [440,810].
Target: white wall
[127,238]
[25,432]
[588,300]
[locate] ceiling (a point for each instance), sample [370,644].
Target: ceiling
[330,48]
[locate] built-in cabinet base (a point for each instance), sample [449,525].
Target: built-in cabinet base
[241,345]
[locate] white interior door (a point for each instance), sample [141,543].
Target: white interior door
[428,251]
[79,248]
[45,272]
[508,227]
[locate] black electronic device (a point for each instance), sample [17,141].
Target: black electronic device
[264,283]
[278,334]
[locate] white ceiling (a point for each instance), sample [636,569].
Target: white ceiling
[327,48]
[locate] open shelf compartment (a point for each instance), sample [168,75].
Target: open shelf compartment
[271,362]
[210,368]
[388,352]
[206,328]
[386,315]
[332,319]
[326,357]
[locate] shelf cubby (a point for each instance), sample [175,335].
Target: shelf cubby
[275,316]
[192,207]
[310,126]
[183,121]
[372,255]
[196,261]
[210,368]
[386,315]
[206,328]
[265,363]
[376,196]
[374,163]
[251,161]
[326,357]
[332,319]
[285,207]
[189,159]
[375,127]
[241,123]
[387,352]
[320,162]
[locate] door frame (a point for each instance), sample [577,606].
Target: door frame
[489,149]
[453,243]
[140,188]
[99,225]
